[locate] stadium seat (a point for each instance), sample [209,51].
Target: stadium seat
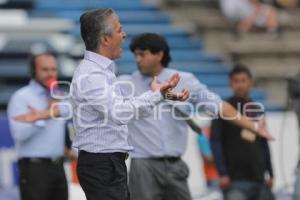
[85,5]
[180,55]
[226,92]
[175,43]
[134,29]
[193,67]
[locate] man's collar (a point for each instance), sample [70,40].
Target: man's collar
[37,87]
[99,59]
[163,76]
[241,99]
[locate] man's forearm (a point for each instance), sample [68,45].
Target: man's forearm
[230,114]
[51,112]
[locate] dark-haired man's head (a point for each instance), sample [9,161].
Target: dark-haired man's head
[241,81]
[102,32]
[43,67]
[152,53]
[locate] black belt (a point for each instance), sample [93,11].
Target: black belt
[56,160]
[166,158]
[121,155]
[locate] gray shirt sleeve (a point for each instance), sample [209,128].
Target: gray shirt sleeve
[200,95]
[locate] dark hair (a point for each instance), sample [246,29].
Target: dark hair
[94,24]
[239,68]
[154,43]
[32,64]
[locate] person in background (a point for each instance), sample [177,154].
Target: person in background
[248,14]
[102,112]
[157,171]
[39,139]
[242,158]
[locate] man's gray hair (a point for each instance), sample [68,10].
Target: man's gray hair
[95,23]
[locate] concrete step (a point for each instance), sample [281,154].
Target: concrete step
[258,45]
[215,21]
[272,68]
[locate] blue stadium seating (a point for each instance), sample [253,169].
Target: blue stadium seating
[225,92]
[136,17]
[176,43]
[134,29]
[193,67]
[213,80]
[181,55]
[85,5]
[7,91]
[126,17]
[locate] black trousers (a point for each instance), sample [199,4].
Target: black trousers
[42,181]
[103,176]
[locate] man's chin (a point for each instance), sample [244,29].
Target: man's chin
[119,55]
[42,83]
[145,73]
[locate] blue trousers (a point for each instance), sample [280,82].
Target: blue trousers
[246,190]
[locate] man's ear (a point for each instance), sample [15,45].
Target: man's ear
[161,55]
[104,40]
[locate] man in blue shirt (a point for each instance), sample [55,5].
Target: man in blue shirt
[39,139]
[157,171]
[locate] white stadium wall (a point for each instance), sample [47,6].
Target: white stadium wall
[284,151]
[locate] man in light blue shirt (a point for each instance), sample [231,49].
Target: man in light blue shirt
[157,172]
[39,139]
[101,112]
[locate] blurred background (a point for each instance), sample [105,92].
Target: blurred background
[206,37]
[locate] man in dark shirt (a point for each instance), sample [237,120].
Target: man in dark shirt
[242,159]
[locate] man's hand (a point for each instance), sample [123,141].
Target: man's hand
[168,85]
[181,96]
[210,159]
[52,102]
[269,182]
[165,88]
[224,182]
[262,131]
[70,154]
[53,108]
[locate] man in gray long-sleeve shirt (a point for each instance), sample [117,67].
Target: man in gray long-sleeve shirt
[157,171]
